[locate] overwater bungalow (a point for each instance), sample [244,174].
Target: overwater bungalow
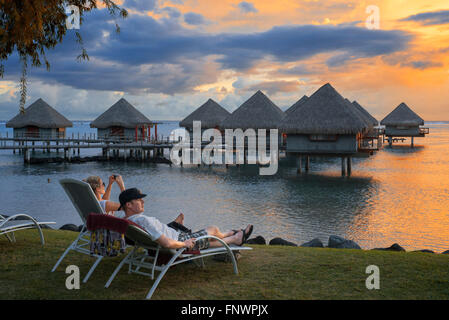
[326,125]
[40,120]
[403,122]
[211,115]
[123,121]
[258,112]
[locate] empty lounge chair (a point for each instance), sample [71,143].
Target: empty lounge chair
[9,225]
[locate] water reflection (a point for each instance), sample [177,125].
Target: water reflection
[398,195]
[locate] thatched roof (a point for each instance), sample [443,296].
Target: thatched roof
[362,113]
[402,115]
[211,114]
[325,112]
[39,114]
[258,112]
[297,105]
[370,118]
[121,114]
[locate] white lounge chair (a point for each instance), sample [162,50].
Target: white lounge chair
[145,260]
[11,224]
[85,202]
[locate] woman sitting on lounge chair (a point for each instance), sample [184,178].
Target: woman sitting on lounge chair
[103,193]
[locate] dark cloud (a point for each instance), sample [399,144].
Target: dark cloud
[141,5]
[296,70]
[247,7]
[194,18]
[293,43]
[163,56]
[430,18]
[273,87]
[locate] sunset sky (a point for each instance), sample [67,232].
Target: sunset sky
[171,56]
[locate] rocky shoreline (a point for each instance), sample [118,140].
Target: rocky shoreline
[334,241]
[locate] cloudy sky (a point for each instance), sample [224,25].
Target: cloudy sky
[171,56]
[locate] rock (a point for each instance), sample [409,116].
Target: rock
[314,243]
[424,250]
[445,252]
[257,240]
[335,241]
[393,247]
[349,244]
[69,227]
[342,243]
[226,258]
[282,242]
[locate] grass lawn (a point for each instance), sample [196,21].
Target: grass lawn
[267,272]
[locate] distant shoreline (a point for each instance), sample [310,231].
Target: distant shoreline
[425,122]
[155,120]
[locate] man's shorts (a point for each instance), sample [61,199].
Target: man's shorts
[199,244]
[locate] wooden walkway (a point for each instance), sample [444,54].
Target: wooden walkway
[142,150]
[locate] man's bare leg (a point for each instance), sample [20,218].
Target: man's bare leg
[234,239]
[180,219]
[229,237]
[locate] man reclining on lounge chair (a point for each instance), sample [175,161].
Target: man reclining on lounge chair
[132,203]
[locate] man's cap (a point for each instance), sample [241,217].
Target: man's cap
[129,195]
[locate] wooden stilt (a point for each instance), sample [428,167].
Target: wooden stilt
[343,166]
[349,166]
[307,163]
[181,158]
[26,156]
[298,164]
[412,145]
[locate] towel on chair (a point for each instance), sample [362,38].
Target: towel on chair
[107,234]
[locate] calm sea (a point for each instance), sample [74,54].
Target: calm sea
[398,195]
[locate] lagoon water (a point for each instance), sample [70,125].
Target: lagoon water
[398,195]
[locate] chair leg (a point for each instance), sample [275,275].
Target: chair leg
[64,254]
[119,267]
[199,262]
[10,237]
[99,258]
[71,247]
[234,262]
[41,235]
[161,275]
